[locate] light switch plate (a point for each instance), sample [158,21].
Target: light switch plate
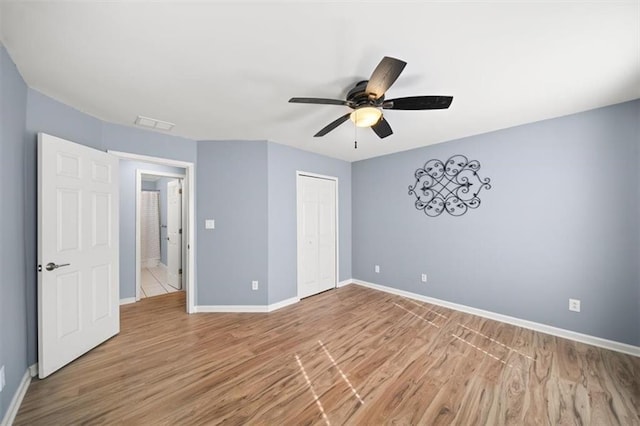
[209,224]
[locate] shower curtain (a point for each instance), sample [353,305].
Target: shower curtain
[150,229]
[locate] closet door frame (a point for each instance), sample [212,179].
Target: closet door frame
[299,233]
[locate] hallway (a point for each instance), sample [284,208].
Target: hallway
[154,282]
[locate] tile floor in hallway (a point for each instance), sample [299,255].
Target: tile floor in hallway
[154,282]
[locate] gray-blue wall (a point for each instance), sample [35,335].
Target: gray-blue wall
[560,222]
[232,190]
[13,317]
[249,189]
[145,142]
[148,185]
[128,220]
[283,163]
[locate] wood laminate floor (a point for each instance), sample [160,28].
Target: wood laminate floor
[347,356]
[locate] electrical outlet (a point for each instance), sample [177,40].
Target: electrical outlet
[424,278]
[2,383]
[377,269]
[254,285]
[574,305]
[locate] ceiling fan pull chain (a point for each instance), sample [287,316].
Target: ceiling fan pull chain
[355,134]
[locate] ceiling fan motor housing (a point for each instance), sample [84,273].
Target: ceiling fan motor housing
[358,96]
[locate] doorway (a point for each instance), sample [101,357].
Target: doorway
[317,212]
[188,220]
[159,220]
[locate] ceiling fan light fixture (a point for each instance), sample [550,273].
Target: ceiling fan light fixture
[366,116]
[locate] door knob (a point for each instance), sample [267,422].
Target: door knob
[51,266]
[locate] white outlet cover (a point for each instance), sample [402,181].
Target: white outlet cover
[574,305]
[424,278]
[209,224]
[377,269]
[254,285]
[2,383]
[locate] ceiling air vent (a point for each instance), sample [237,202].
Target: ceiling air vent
[153,123]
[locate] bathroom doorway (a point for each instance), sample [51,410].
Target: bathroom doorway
[160,224]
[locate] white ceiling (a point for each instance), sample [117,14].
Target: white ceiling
[225,70]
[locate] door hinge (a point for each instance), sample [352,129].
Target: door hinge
[39,268]
[180,191]
[180,271]
[180,232]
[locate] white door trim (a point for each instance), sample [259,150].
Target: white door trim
[319,176]
[139,173]
[189,183]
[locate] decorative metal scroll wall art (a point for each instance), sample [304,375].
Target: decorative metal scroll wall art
[452,186]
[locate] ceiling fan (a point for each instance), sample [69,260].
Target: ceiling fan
[367,100]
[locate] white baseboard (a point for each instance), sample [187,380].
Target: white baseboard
[246,308]
[543,328]
[279,305]
[33,370]
[345,282]
[127,300]
[230,308]
[255,308]
[16,401]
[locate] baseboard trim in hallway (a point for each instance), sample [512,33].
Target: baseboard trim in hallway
[127,300]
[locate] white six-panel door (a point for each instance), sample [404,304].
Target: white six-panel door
[78,284]
[174,234]
[316,235]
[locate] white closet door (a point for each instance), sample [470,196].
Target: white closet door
[316,235]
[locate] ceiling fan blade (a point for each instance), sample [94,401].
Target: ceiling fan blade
[382,128]
[335,123]
[385,74]
[418,102]
[318,101]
